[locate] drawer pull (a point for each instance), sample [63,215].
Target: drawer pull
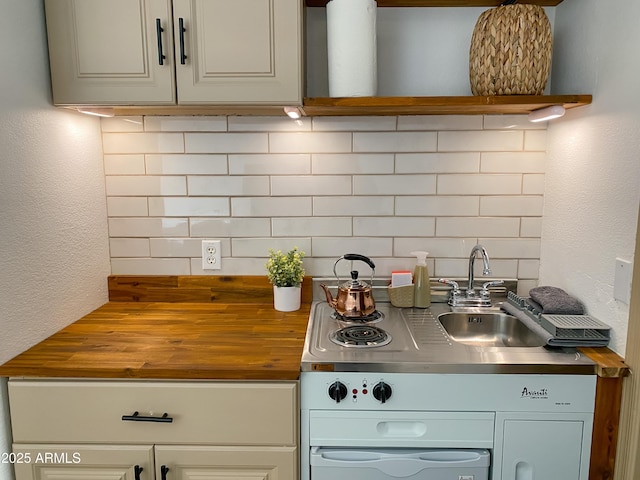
[159,31]
[137,470]
[163,472]
[136,417]
[181,30]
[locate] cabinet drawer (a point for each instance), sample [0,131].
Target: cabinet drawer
[260,413]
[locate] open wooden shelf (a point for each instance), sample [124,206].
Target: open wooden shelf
[441,3]
[471,105]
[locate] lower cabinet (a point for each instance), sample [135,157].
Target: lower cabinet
[118,430]
[146,462]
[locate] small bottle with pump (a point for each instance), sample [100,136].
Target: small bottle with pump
[421,281]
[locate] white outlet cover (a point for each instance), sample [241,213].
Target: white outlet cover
[622,281]
[211,257]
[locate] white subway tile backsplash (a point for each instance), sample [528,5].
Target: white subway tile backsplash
[145,185]
[142,143]
[528,269]
[129,247]
[270,164]
[459,268]
[229,227]
[334,247]
[353,124]
[381,186]
[511,122]
[512,162]
[480,226]
[363,206]
[148,227]
[311,226]
[351,163]
[268,124]
[222,185]
[512,248]
[515,206]
[150,266]
[480,184]
[189,207]
[394,226]
[176,247]
[533,184]
[535,140]
[259,247]
[438,205]
[437,247]
[186,164]
[127,207]
[226,143]
[467,162]
[531,227]
[395,142]
[124,164]
[317,142]
[478,141]
[185,124]
[394,184]
[440,122]
[271,207]
[294,185]
[122,124]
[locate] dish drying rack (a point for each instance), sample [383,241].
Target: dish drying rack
[564,327]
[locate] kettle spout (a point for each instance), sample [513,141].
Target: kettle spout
[330,300]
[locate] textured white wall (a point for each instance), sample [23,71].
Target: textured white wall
[593,170]
[54,256]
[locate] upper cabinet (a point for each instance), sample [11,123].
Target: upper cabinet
[184,52]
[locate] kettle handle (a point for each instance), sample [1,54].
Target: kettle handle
[355,256]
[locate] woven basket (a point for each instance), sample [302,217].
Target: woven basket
[510,51]
[401,296]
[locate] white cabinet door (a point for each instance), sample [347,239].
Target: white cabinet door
[108,52]
[542,450]
[238,52]
[247,463]
[83,462]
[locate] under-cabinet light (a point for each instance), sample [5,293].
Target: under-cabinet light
[293,112]
[98,112]
[547,113]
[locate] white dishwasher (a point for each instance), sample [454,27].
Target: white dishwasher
[399,463]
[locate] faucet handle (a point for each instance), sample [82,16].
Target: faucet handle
[494,283]
[454,284]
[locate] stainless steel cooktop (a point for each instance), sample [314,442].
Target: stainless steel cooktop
[420,344]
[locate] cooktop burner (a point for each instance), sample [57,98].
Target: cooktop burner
[361,336]
[371,318]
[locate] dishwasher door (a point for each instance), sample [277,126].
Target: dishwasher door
[399,463]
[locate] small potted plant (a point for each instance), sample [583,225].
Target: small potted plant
[285,272]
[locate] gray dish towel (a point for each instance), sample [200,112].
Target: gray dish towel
[555,300]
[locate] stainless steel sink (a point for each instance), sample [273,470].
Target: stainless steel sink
[489,330]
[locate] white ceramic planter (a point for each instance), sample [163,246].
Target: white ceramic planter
[286,299]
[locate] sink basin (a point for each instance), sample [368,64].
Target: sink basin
[489,330]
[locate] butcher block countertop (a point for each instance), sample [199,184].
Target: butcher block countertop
[176,328]
[191,327]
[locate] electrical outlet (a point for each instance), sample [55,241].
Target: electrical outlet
[211,259]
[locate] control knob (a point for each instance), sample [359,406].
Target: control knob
[382,392]
[337,391]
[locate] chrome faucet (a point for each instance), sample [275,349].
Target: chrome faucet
[471,298]
[485,271]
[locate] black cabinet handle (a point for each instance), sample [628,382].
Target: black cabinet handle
[163,472]
[159,31]
[181,30]
[137,470]
[136,417]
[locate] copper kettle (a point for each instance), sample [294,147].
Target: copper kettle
[355,297]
